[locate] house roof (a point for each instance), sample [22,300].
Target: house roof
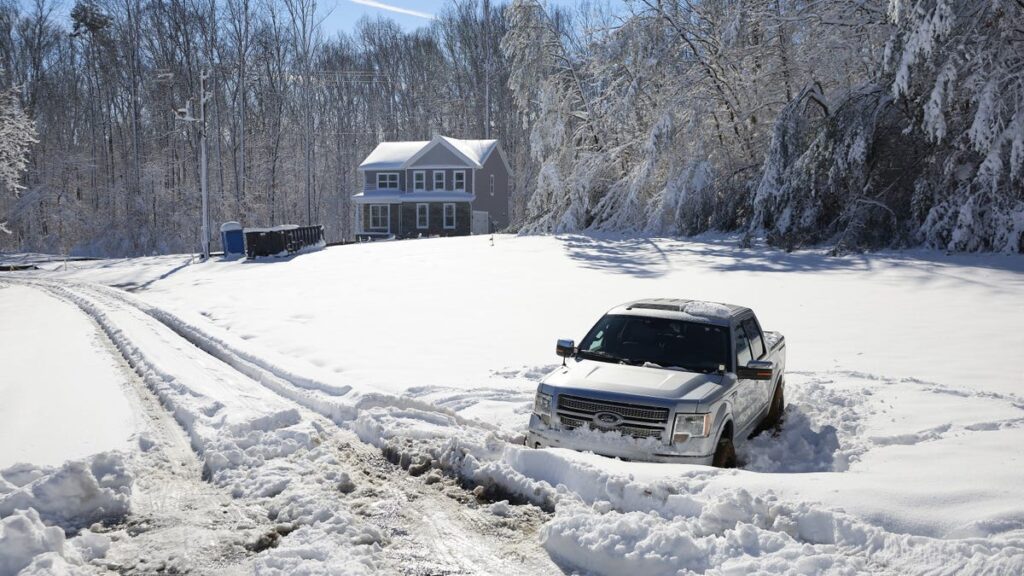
[398,155]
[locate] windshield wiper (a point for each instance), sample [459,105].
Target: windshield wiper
[667,367]
[599,355]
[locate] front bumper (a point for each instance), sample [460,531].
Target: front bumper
[543,436]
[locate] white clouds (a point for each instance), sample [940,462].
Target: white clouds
[393,8]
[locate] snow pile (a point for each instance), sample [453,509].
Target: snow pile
[818,414]
[23,536]
[796,447]
[30,547]
[735,532]
[78,494]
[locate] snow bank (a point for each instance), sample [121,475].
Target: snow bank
[614,517]
[28,547]
[796,447]
[77,494]
[23,536]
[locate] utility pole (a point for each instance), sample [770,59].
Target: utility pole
[185,115]
[487,68]
[203,97]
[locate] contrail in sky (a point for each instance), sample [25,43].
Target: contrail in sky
[392,8]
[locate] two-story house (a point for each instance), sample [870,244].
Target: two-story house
[440,187]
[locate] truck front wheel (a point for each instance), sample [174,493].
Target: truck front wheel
[725,453]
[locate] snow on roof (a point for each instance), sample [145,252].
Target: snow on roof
[391,155]
[395,155]
[475,150]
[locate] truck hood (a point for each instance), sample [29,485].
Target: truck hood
[635,380]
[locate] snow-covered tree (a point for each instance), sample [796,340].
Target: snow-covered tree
[930,149]
[17,134]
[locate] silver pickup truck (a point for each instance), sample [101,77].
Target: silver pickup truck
[664,380]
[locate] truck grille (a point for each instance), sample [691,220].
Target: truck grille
[637,421]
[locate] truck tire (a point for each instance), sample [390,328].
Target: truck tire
[774,418]
[725,453]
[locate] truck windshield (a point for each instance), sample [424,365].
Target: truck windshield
[664,342]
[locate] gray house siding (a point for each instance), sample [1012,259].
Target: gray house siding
[463,216]
[439,155]
[495,202]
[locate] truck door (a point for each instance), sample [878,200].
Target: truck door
[758,352]
[747,397]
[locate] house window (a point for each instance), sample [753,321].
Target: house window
[492,184]
[449,216]
[422,216]
[387,180]
[419,180]
[459,180]
[438,179]
[380,217]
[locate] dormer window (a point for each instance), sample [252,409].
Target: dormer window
[459,180]
[419,181]
[438,179]
[387,180]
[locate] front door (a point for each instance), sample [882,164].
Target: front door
[758,352]
[748,394]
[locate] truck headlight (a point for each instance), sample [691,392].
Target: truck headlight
[691,426]
[542,404]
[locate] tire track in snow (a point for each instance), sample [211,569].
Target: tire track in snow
[419,534]
[169,500]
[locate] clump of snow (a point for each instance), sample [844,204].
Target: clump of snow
[78,494]
[23,536]
[587,436]
[500,508]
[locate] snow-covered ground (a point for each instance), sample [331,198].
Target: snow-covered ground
[56,369]
[900,452]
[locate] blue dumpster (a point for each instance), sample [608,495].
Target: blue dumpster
[232,238]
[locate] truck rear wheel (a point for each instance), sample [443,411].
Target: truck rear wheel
[725,453]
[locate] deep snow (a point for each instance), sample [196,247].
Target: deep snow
[904,389]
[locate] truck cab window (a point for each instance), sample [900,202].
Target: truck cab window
[743,356]
[754,335]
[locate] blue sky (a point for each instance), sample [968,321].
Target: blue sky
[410,14]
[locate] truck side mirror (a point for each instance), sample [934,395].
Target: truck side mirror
[565,349]
[756,370]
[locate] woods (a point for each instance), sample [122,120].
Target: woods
[292,111]
[856,123]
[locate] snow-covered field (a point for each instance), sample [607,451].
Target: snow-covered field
[290,384]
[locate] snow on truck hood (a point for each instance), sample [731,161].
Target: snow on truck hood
[637,380]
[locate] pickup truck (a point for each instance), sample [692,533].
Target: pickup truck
[663,380]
